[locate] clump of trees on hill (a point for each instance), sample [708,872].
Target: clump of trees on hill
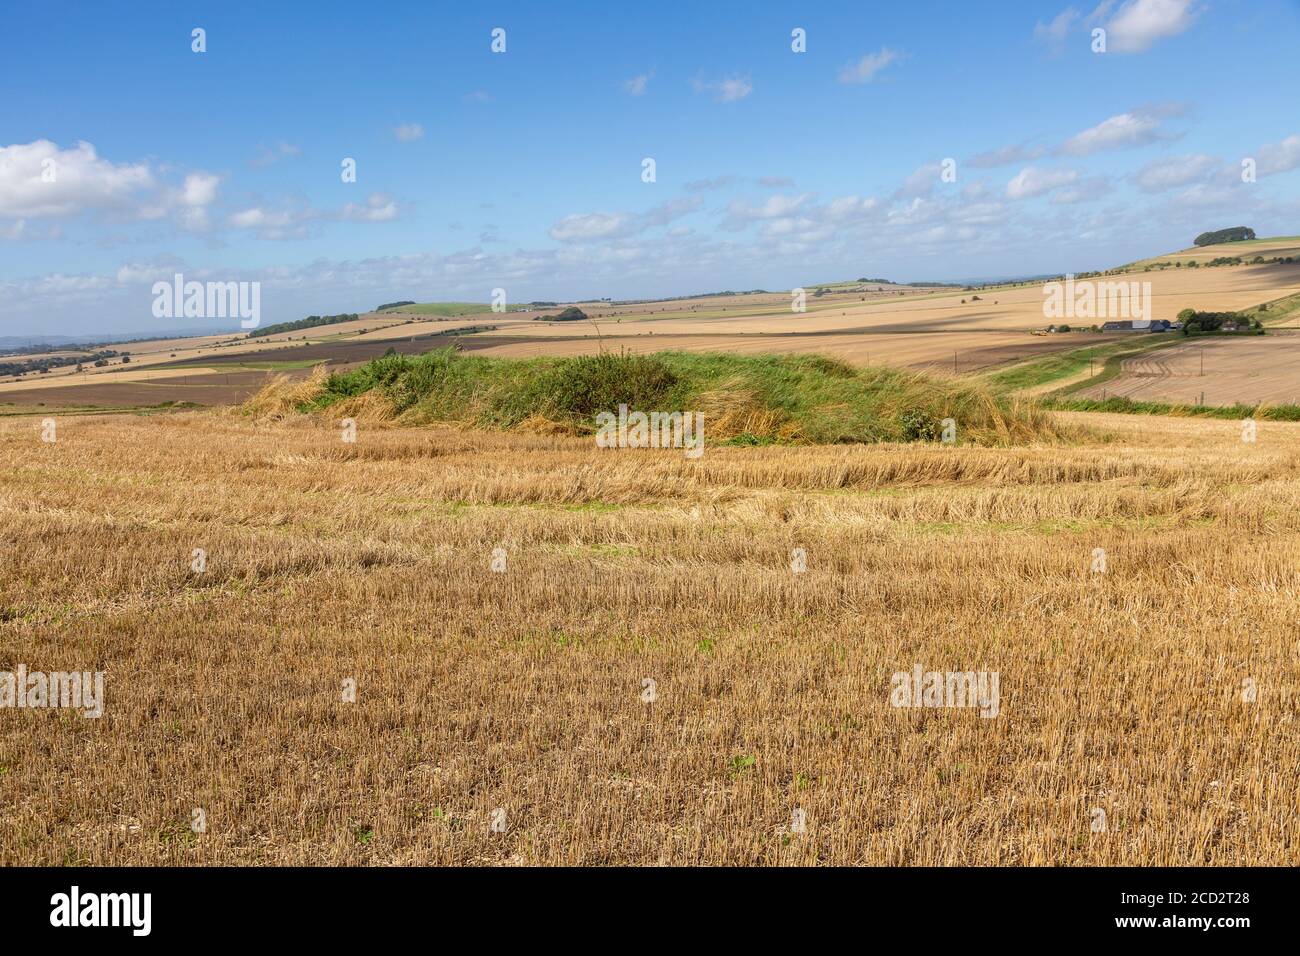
[308,323]
[571,314]
[393,305]
[1234,234]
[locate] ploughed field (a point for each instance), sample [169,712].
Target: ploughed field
[563,654]
[1212,371]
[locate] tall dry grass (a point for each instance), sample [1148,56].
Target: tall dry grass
[522,690]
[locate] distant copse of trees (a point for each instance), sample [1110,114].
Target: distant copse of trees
[308,323]
[393,305]
[1197,321]
[1235,234]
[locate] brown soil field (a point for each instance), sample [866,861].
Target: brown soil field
[1213,370]
[202,388]
[646,677]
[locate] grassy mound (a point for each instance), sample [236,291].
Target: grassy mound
[746,400]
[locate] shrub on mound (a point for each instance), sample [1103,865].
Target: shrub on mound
[746,399]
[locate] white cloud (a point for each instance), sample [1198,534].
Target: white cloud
[1054,33]
[1005,156]
[301,221]
[1279,157]
[587,227]
[408,132]
[200,189]
[848,208]
[1032,181]
[741,213]
[922,181]
[1139,127]
[865,70]
[1085,190]
[708,185]
[669,211]
[1173,171]
[580,227]
[1138,24]
[379,207]
[254,218]
[267,156]
[40,179]
[637,85]
[727,90]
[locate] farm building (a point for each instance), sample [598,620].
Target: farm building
[1136,325]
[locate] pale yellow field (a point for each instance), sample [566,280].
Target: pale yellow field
[519,695]
[1276,246]
[369,322]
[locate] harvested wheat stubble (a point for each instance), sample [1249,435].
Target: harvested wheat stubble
[522,690]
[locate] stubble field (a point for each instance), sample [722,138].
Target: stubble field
[518,696]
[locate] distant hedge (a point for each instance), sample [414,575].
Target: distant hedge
[308,323]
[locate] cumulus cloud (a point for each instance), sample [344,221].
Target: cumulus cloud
[1171,172]
[1032,181]
[591,226]
[922,181]
[200,189]
[1138,24]
[1279,157]
[580,227]
[865,70]
[740,213]
[379,207]
[669,211]
[301,221]
[1140,127]
[1085,190]
[1133,27]
[39,179]
[408,132]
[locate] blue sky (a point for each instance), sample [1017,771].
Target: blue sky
[523,170]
